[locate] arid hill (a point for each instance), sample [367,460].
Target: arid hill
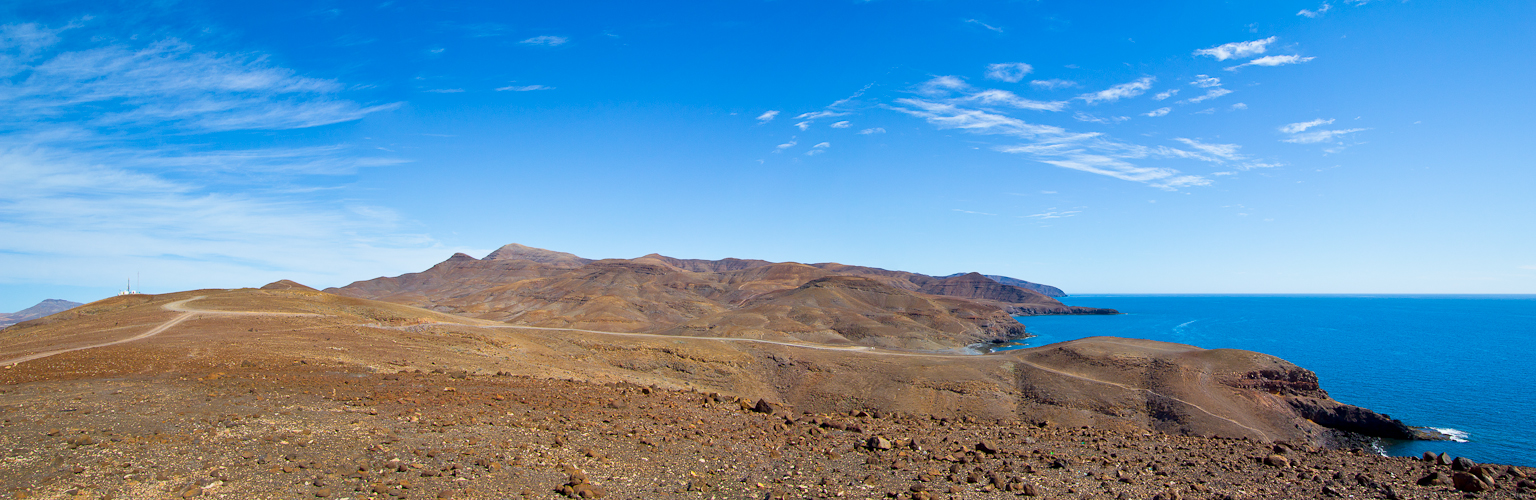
[44,308]
[284,392]
[724,298]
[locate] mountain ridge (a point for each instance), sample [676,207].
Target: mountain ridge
[728,297]
[45,308]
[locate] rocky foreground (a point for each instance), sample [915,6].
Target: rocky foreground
[312,430]
[285,392]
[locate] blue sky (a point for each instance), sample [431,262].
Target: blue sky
[1208,147]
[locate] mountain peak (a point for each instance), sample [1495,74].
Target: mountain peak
[514,251]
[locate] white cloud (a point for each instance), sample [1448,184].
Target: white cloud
[1118,92]
[523,88]
[842,124]
[1165,94]
[1209,94]
[818,149]
[970,212]
[1222,151]
[1085,117]
[1315,13]
[1054,214]
[1008,72]
[818,114]
[126,141]
[1204,81]
[984,25]
[1317,136]
[868,131]
[444,91]
[1237,50]
[806,125]
[1301,126]
[1052,84]
[823,145]
[1273,61]
[767,116]
[1239,106]
[1006,98]
[546,40]
[785,146]
[168,84]
[1158,112]
[942,85]
[1300,134]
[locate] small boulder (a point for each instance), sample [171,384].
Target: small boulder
[878,443]
[1430,456]
[1436,478]
[1277,461]
[1468,483]
[987,447]
[763,406]
[1462,464]
[1443,459]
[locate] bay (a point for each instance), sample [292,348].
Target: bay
[1460,363]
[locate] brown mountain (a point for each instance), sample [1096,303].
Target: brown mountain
[44,308]
[826,302]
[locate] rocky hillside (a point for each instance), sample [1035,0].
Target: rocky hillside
[826,302]
[44,308]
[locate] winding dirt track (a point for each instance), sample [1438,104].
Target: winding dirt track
[177,306]
[188,313]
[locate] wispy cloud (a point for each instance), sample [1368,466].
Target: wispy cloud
[1118,92]
[1223,151]
[806,125]
[1158,112]
[1006,98]
[819,148]
[1315,13]
[868,131]
[523,88]
[1204,81]
[444,91]
[819,114]
[1237,50]
[126,141]
[1008,72]
[1165,94]
[546,41]
[1273,61]
[1302,126]
[1052,84]
[984,25]
[1052,145]
[970,212]
[1209,94]
[784,146]
[1085,117]
[1303,133]
[767,116]
[1053,214]
[1238,106]
[842,124]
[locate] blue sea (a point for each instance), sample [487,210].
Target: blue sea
[1459,363]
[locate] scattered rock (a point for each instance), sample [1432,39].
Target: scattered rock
[878,443]
[763,406]
[1468,483]
[987,447]
[1277,461]
[1462,464]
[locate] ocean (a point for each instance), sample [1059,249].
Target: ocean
[1458,363]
